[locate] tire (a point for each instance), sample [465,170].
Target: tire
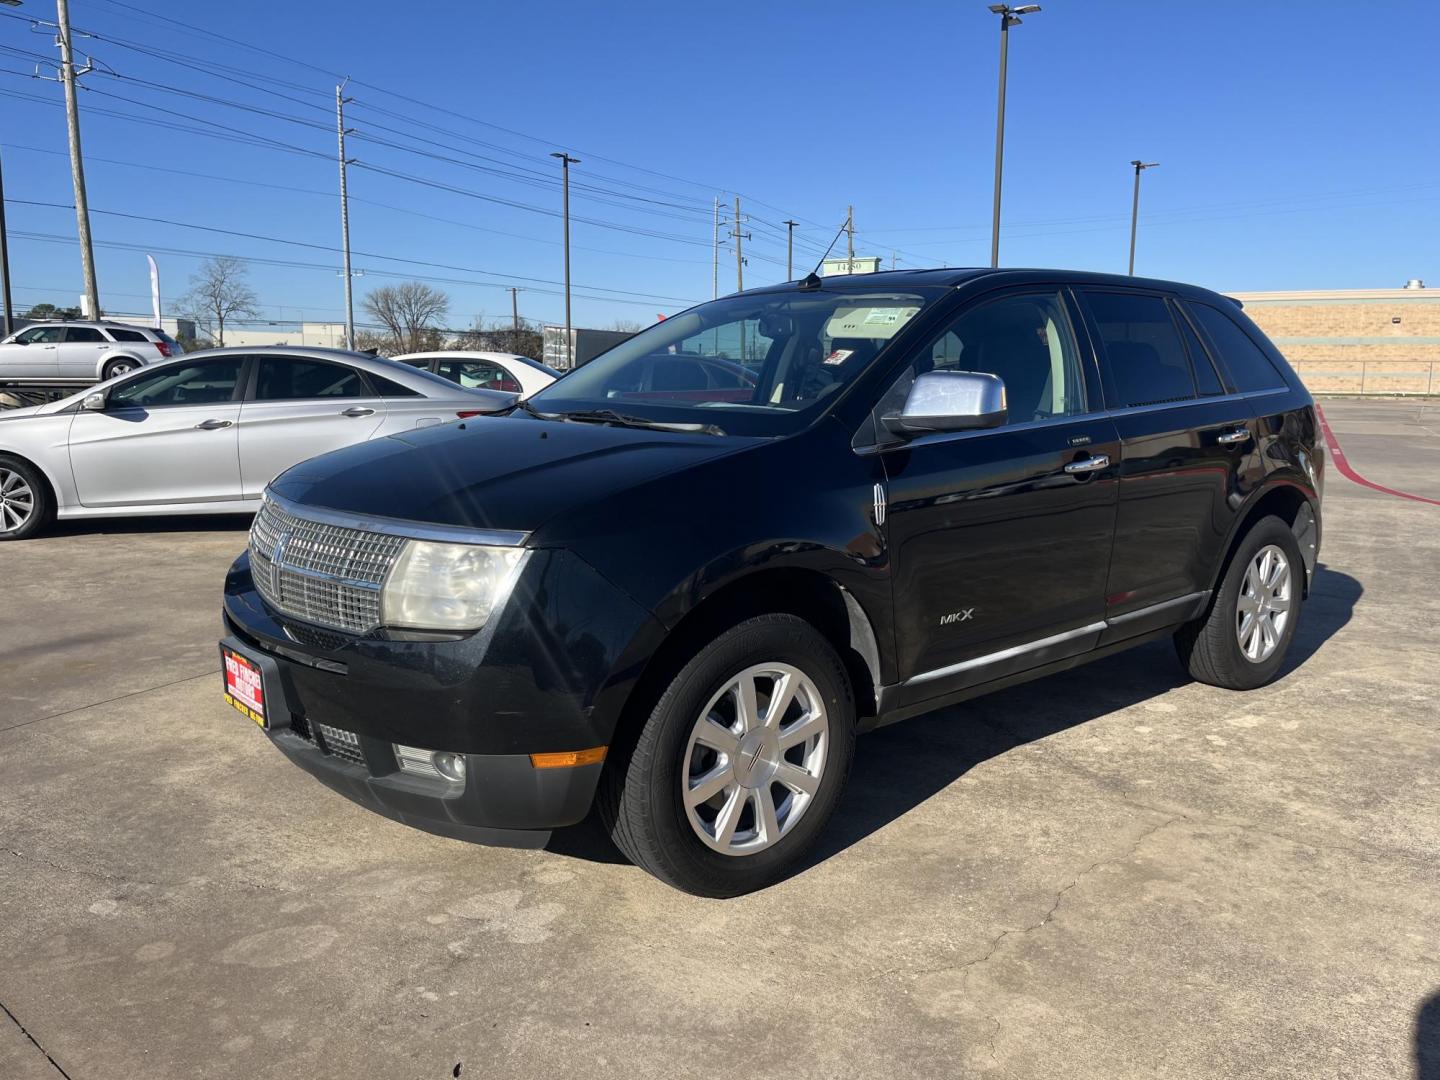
[641,801]
[26,505]
[118,366]
[1225,649]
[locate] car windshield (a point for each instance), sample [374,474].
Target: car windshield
[759,364]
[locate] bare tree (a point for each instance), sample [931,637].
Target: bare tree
[219,291]
[408,311]
[628,326]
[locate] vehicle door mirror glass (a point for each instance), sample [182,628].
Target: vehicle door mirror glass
[950,401]
[93,403]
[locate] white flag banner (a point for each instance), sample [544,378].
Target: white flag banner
[154,289]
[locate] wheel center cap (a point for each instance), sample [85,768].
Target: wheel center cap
[757,758]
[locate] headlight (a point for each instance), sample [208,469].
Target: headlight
[435,586]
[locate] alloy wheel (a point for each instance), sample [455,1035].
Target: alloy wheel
[1262,610]
[755,759]
[17,500]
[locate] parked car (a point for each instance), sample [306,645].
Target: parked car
[82,352]
[204,433]
[940,483]
[485,370]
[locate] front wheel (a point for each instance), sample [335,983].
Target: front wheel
[740,763]
[1242,641]
[25,503]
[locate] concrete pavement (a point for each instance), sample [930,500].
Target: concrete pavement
[1110,873]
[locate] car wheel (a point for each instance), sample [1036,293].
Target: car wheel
[25,503]
[1241,643]
[118,367]
[740,763]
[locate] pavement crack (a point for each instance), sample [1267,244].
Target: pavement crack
[1130,849]
[210,674]
[34,1041]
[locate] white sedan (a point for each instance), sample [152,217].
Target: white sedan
[485,370]
[204,433]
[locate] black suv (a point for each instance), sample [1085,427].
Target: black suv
[677,583]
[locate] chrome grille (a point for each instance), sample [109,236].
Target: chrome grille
[326,574]
[343,744]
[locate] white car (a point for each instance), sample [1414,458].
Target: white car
[81,352]
[485,370]
[204,433]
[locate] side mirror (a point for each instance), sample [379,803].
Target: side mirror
[93,403]
[950,401]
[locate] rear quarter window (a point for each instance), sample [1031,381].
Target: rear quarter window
[126,335]
[1249,367]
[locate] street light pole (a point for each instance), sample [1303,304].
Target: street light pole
[565,162]
[1140,166]
[790,249]
[1008,17]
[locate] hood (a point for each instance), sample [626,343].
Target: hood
[494,472]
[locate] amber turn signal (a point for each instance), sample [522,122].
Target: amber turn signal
[568,759]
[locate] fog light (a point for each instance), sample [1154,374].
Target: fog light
[437,764]
[450,766]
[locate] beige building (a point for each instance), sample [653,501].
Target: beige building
[1355,341]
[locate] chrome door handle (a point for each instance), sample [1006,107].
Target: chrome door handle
[356,410]
[1238,435]
[1089,464]
[212,425]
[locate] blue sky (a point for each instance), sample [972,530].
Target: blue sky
[1295,139]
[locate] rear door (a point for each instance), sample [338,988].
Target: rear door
[298,407]
[1187,446]
[1000,538]
[81,351]
[167,435]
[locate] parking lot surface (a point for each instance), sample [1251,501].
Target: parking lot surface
[1113,872]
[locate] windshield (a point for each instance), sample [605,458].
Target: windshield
[763,364]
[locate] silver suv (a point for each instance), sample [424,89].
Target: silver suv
[81,352]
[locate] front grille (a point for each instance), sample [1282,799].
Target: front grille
[318,572]
[343,744]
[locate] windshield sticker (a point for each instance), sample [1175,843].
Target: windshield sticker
[876,322]
[838,356]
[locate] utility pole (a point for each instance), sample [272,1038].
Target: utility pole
[1008,17]
[850,239]
[4,257]
[1140,166]
[68,75]
[790,249]
[739,255]
[715,255]
[892,258]
[565,162]
[340,101]
[515,308]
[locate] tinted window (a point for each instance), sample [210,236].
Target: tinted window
[126,335]
[290,378]
[1206,377]
[1026,340]
[481,374]
[392,389]
[1147,362]
[1249,366]
[39,335]
[204,382]
[83,333]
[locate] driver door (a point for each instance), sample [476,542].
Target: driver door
[168,435]
[1000,537]
[33,354]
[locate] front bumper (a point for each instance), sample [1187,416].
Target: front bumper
[542,677]
[503,799]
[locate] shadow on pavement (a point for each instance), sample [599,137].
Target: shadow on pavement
[899,767]
[1427,1039]
[177,524]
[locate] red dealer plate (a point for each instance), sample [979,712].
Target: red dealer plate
[243,686]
